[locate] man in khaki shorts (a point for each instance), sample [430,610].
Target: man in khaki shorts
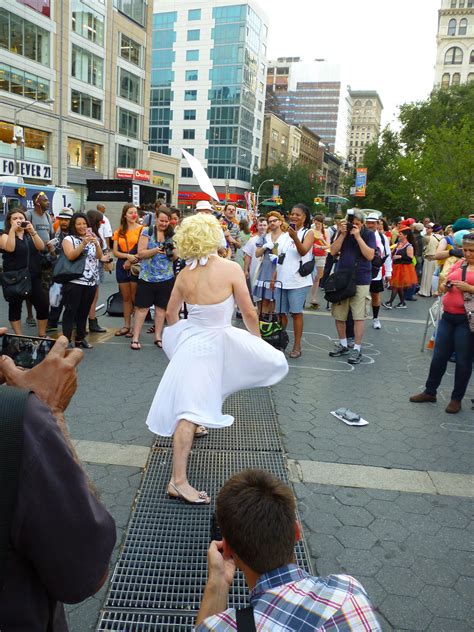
[355,246]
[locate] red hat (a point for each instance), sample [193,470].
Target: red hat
[410,221]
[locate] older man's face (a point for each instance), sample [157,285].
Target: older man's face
[43,202]
[372,224]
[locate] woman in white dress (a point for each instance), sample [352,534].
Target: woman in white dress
[209,359]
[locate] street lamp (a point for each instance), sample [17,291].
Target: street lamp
[261,185]
[15,114]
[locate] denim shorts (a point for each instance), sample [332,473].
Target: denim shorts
[292,301]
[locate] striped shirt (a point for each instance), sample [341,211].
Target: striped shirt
[288,598]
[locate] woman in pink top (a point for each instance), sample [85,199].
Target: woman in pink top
[453,333]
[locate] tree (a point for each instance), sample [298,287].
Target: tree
[297,184]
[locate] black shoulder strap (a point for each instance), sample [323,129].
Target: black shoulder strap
[245,620]
[12,410]
[464,271]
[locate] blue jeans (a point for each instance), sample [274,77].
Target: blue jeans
[453,335]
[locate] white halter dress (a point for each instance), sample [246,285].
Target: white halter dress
[209,360]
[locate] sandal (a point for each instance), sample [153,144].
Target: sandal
[123,331]
[159,344]
[135,345]
[295,353]
[151,330]
[201,431]
[129,334]
[203,498]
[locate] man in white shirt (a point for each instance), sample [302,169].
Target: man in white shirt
[105,229]
[250,260]
[377,284]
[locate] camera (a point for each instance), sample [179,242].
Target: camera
[281,258]
[448,284]
[168,247]
[23,224]
[350,221]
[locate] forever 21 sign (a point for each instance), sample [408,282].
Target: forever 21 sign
[26,169]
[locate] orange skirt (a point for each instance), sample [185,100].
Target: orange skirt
[403,275]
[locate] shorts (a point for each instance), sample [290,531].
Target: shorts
[292,301]
[320,262]
[376,287]
[359,304]
[122,275]
[150,293]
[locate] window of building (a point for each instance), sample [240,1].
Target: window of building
[461,4]
[259,124]
[470,77]
[191,75]
[87,67]
[130,50]
[127,157]
[43,7]
[260,106]
[462,27]
[190,95]
[164,20]
[368,104]
[471,57]
[456,79]
[24,38]
[129,86]
[453,4]
[453,55]
[194,14]
[128,123]
[23,83]
[190,150]
[83,155]
[35,146]
[87,22]
[192,55]
[189,134]
[86,105]
[134,9]
[282,71]
[194,35]
[189,115]
[452,27]
[275,135]
[358,104]
[186,172]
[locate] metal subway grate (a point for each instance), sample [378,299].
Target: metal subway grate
[121,621]
[163,562]
[255,427]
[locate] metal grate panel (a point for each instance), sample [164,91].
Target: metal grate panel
[121,621]
[255,427]
[163,563]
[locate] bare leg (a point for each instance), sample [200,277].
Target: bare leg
[359,326]
[182,443]
[297,330]
[125,291]
[341,329]
[140,315]
[159,322]
[42,327]
[16,326]
[314,289]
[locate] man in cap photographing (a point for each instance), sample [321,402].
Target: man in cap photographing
[377,283]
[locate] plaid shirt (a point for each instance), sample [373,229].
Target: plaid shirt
[287,598]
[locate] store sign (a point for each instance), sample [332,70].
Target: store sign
[142,175]
[136,194]
[25,168]
[125,173]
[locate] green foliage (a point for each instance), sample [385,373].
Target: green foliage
[428,167]
[296,185]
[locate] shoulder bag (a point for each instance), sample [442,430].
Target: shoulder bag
[468,301]
[307,267]
[134,268]
[17,283]
[66,270]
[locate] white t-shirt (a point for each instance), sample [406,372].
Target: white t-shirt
[249,249]
[288,271]
[91,269]
[105,230]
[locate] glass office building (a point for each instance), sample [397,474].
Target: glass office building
[208,88]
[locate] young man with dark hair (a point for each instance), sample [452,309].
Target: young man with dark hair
[256,513]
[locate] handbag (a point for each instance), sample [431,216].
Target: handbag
[468,301]
[66,270]
[17,283]
[308,267]
[134,268]
[340,285]
[271,329]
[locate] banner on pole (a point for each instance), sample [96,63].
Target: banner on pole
[361,182]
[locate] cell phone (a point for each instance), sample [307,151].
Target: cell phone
[26,351]
[215,530]
[23,224]
[293,226]
[89,232]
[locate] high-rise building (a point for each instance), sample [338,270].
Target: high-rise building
[366,108]
[208,89]
[311,94]
[455,43]
[74,88]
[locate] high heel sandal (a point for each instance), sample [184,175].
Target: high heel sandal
[203,498]
[201,431]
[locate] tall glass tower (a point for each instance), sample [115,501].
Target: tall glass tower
[208,89]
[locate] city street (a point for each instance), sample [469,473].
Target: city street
[390,503]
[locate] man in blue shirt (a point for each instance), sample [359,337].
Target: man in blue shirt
[257,516]
[356,249]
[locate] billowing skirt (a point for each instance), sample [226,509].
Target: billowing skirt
[403,275]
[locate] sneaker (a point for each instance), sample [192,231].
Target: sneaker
[376,324]
[339,351]
[387,305]
[401,306]
[51,328]
[354,357]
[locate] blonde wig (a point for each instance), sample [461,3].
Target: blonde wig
[198,236]
[279,216]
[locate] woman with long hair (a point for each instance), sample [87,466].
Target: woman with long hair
[21,246]
[294,252]
[125,250]
[96,219]
[320,252]
[156,279]
[403,268]
[209,359]
[268,249]
[79,293]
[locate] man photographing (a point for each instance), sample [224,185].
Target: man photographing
[257,516]
[355,246]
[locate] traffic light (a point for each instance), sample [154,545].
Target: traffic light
[317,200]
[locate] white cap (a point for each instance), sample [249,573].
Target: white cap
[203,205]
[372,217]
